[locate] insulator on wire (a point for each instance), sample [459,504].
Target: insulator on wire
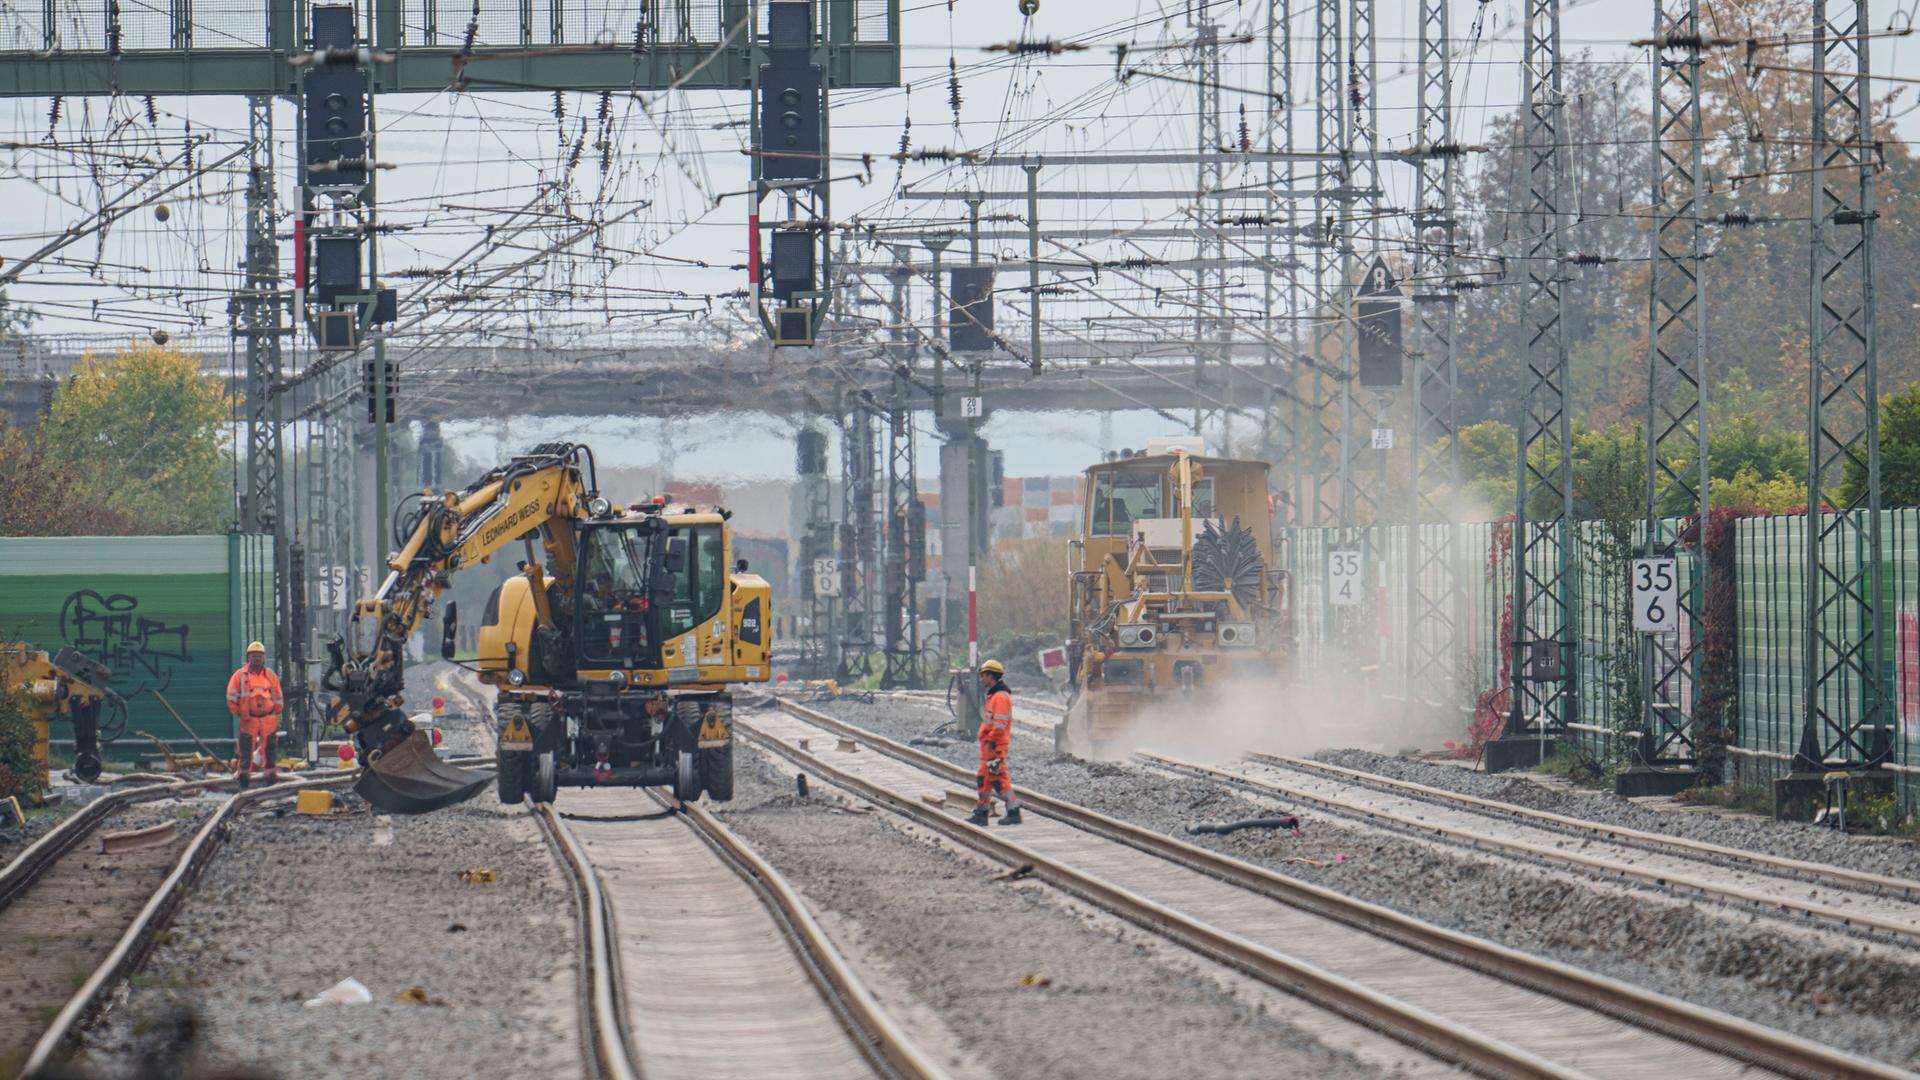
[953,89]
[1581,258]
[153,112]
[1043,47]
[1736,219]
[473,31]
[1246,135]
[53,115]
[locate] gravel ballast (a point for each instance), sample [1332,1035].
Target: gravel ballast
[1792,840]
[1734,961]
[1011,982]
[293,905]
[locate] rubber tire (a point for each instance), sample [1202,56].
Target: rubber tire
[545,783]
[716,772]
[510,780]
[686,780]
[542,782]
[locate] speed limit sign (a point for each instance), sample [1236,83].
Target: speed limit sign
[1656,595]
[1343,576]
[826,577]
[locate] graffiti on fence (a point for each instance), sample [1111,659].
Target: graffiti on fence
[140,651]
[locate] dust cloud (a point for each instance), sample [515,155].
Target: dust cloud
[1288,716]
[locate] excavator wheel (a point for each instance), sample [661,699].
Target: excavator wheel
[686,777]
[716,772]
[545,780]
[512,767]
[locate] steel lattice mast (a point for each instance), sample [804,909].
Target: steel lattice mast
[1846,716]
[1544,675]
[1676,464]
[1362,468]
[901,623]
[1330,137]
[1433,594]
[1210,307]
[1281,290]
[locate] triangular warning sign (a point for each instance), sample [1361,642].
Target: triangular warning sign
[1379,280]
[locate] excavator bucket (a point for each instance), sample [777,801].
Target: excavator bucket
[411,779]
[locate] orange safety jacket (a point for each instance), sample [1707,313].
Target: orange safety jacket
[254,695]
[997,730]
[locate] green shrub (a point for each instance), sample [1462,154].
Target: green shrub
[18,776]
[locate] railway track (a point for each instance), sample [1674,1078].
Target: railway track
[701,961]
[1494,1010]
[697,958]
[1887,906]
[153,915]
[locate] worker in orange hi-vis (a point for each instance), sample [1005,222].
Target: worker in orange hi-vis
[254,699]
[996,734]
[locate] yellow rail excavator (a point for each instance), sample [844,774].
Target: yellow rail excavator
[69,685]
[611,651]
[1174,596]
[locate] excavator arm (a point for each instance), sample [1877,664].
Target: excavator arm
[545,491]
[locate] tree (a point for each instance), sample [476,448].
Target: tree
[41,497]
[1486,469]
[1746,489]
[144,431]
[1899,452]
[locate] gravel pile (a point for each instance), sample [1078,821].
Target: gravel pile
[296,904]
[998,979]
[1730,960]
[1793,840]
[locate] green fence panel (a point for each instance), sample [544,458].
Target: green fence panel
[168,614]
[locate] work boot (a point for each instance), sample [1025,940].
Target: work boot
[979,816]
[1012,817]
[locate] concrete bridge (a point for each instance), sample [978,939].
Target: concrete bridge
[447,383]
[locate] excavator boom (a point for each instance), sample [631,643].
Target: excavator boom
[442,534]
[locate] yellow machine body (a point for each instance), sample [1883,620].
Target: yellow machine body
[1174,597]
[56,691]
[612,652]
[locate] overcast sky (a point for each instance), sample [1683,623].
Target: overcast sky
[464,161]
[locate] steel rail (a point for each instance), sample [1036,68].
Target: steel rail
[1861,878]
[1719,890]
[882,1041]
[1705,1027]
[867,1020]
[27,867]
[605,1016]
[158,910]
[1407,1023]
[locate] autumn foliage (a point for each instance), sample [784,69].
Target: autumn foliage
[133,443]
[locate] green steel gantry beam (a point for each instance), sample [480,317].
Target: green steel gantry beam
[85,48]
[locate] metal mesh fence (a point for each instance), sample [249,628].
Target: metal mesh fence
[1769,580]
